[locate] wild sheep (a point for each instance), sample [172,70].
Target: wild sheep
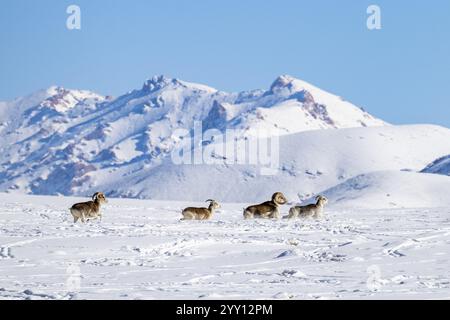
[310,210]
[192,213]
[88,210]
[268,209]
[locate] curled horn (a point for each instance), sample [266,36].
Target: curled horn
[209,200]
[319,197]
[95,195]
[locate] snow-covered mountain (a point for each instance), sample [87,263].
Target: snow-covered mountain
[60,141]
[391,189]
[439,166]
[310,162]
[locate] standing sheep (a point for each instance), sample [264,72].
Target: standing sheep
[88,210]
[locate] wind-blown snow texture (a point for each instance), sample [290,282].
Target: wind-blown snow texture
[60,141]
[142,251]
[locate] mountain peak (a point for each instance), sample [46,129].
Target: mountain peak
[158,82]
[161,81]
[287,82]
[62,99]
[58,91]
[284,79]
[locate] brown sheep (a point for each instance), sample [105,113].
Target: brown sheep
[192,213]
[268,209]
[310,210]
[88,210]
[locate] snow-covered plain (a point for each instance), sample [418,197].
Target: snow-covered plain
[142,251]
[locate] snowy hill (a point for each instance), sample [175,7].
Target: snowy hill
[60,141]
[391,189]
[439,166]
[310,162]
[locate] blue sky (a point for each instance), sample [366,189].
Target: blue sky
[400,73]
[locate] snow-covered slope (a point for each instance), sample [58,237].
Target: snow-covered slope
[310,162]
[46,106]
[391,189]
[439,166]
[69,142]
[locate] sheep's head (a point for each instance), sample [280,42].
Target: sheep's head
[100,197]
[279,198]
[321,200]
[213,204]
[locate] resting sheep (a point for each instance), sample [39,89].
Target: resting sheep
[310,210]
[266,210]
[192,213]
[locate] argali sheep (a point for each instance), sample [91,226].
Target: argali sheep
[310,210]
[266,210]
[193,213]
[88,210]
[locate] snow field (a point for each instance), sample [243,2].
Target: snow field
[142,251]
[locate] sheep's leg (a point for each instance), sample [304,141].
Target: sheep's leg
[259,215]
[187,216]
[268,215]
[291,214]
[275,214]
[83,217]
[247,215]
[318,215]
[75,217]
